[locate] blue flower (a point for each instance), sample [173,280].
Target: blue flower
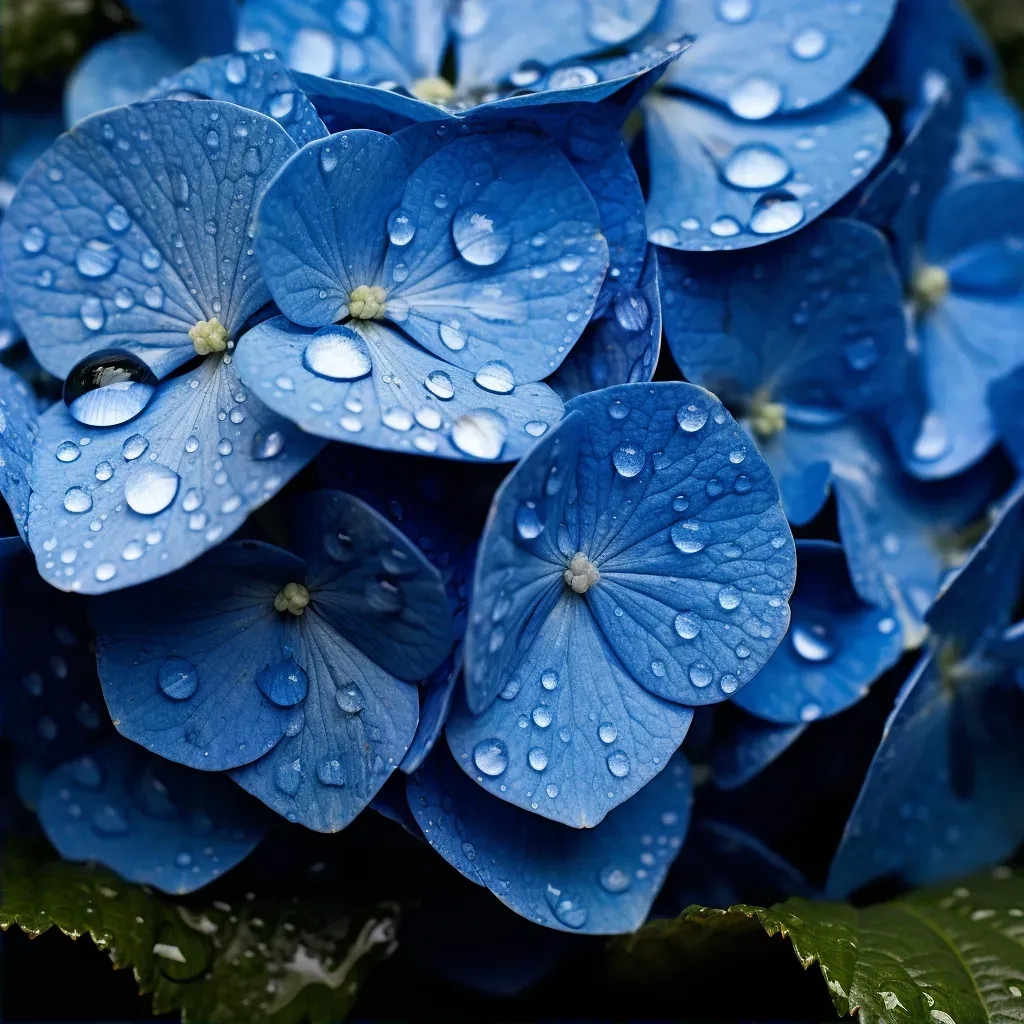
[127,253]
[463,270]
[756,133]
[285,669]
[940,798]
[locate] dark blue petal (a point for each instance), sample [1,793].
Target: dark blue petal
[940,799]
[258,81]
[836,648]
[115,506]
[648,483]
[120,234]
[435,704]
[116,71]
[191,28]
[400,40]
[596,881]
[621,347]
[498,41]
[975,334]
[749,747]
[17,433]
[152,822]
[718,182]
[178,657]
[1006,400]
[406,400]
[992,136]
[815,322]
[572,735]
[763,59]
[345,105]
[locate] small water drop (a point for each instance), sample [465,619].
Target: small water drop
[67,451]
[480,233]
[496,377]
[77,500]
[729,598]
[479,434]
[284,682]
[151,488]
[440,385]
[756,166]
[775,213]
[178,678]
[96,258]
[811,643]
[755,98]
[538,759]
[618,764]
[491,757]
[528,523]
[401,228]
[628,460]
[329,771]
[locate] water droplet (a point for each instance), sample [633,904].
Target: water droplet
[108,388]
[235,70]
[618,764]
[33,240]
[755,98]
[729,684]
[479,434]
[384,596]
[812,644]
[632,311]
[549,680]
[933,440]
[538,759]
[267,445]
[528,522]
[810,712]
[735,12]
[729,598]
[725,227]
[542,716]
[87,773]
[809,44]
[178,678]
[77,500]
[105,572]
[151,259]
[401,228]
[756,166]
[133,447]
[350,698]
[573,76]
[117,218]
[109,821]
[91,312]
[151,488]
[618,410]
[452,336]
[496,377]
[440,385]
[775,213]
[480,233]
[628,460]
[288,776]
[607,732]
[701,674]
[328,771]
[685,537]
[337,353]
[687,625]
[212,139]
[692,417]
[613,879]
[491,757]
[328,159]
[284,683]
[67,451]
[104,471]
[861,353]
[96,258]
[397,418]
[154,297]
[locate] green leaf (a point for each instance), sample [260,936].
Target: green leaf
[946,955]
[280,961]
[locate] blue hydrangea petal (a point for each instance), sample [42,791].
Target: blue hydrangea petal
[992,136]
[373,586]
[191,28]
[258,81]
[748,748]
[718,182]
[120,233]
[152,822]
[595,881]
[494,41]
[947,771]
[815,322]
[346,105]
[182,684]
[837,645]
[532,260]
[322,229]
[436,697]
[621,347]
[1006,400]
[116,71]
[572,735]
[398,40]
[408,401]
[18,408]
[354,729]
[116,506]
[764,59]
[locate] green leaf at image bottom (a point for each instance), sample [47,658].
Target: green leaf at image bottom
[945,955]
[281,961]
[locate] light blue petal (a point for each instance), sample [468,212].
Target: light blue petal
[718,182]
[258,81]
[152,822]
[621,347]
[191,28]
[407,400]
[760,59]
[120,234]
[572,735]
[178,657]
[506,258]
[598,881]
[496,40]
[358,40]
[119,70]
[837,645]
[17,432]
[749,747]
[115,506]
[992,136]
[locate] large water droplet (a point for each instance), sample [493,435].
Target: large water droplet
[77,500]
[67,451]
[729,598]
[178,678]
[775,213]
[756,166]
[284,683]
[496,377]
[33,240]
[452,335]
[480,233]
[735,12]
[117,218]
[480,434]
[632,311]
[628,459]
[108,388]
[692,417]
[809,44]
[491,757]
[329,772]
[687,625]
[811,643]
[288,776]
[91,312]
[538,759]
[542,716]
[235,70]
[96,258]
[350,698]
[755,98]
[440,385]
[133,447]
[568,908]
[267,445]
[337,353]
[618,764]
[607,732]
[528,522]
[151,488]
[573,76]
[686,537]
[401,228]
[700,674]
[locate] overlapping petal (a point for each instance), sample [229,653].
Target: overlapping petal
[18,412]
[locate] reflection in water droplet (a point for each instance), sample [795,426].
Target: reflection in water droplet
[812,644]
[497,377]
[756,166]
[350,698]
[67,451]
[108,388]
[77,500]
[479,434]
[528,522]
[401,228]
[685,536]
[337,353]
[618,764]
[490,757]
[628,460]
[755,98]
[687,625]
[96,258]
[440,385]
[178,678]
[775,213]
[284,683]
[151,488]
[480,233]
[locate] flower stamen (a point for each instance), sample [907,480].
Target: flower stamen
[581,574]
[367,302]
[292,598]
[209,336]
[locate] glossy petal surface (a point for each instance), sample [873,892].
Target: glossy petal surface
[258,81]
[17,431]
[836,646]
[409,401]
[120,233]
[760,59]
[153,822]
[436,697]
[718,182]
[595,881]
[749,747]
[115,506]
[345,105]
